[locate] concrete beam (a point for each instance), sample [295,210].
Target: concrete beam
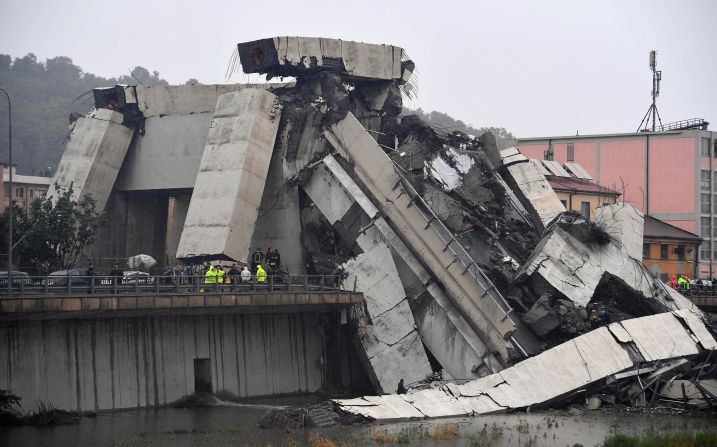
[230,183]
[94,152]
[294,56]
[392,347]
[533,191]
[443,329]
[466,285]
[557,372]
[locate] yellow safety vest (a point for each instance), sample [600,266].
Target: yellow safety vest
[210,277]
[220,274]
[260,274]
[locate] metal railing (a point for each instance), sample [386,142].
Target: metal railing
[51,285]
[469,265]
[692,123]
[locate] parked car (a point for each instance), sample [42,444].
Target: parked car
[17,278]
[60,278]
[131,277]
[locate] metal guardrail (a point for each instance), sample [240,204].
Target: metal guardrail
[692,123]
[64,286]
[451,243]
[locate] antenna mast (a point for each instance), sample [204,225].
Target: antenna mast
[652,110]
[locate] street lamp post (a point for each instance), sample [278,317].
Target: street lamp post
[9,200]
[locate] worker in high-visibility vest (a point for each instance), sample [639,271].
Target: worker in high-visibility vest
[260,274]
[220,274]
[210,277]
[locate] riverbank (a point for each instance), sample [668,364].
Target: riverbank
[238,426]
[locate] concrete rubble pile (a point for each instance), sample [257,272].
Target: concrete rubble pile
[469,264]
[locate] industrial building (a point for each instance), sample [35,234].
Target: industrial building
[669,175]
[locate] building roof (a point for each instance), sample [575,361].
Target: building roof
[559,138]
[657,229]
[569,184]
[30,180]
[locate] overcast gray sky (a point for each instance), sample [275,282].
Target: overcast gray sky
[537,68]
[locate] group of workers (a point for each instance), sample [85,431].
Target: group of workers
[681,283]
[599,315]
[217,274]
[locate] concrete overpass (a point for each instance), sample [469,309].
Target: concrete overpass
[99,351]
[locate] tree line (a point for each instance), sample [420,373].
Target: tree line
[43,95]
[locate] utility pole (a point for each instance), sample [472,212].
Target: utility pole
[9,199]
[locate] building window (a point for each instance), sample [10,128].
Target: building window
[571,152]
[32,193]
[663,251]
[705,180]
[645,251]
[585,209]
[705,251]
[680,252]
[20,192]
[705,147]
[565,203]
[705,203]
[705,226]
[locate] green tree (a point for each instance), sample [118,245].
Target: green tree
[43,96]
[53,234]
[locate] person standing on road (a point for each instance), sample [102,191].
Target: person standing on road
[257,258]
[260,274]
[220,274]
[210,276]
[245,275]
[116,275]
[90,274]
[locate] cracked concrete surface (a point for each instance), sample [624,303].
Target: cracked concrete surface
[536,382]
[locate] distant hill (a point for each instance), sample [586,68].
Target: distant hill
[44,94]
[442,122]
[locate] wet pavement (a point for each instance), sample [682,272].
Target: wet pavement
[237,426]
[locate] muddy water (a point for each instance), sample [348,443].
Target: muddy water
[237,426]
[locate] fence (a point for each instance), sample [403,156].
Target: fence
[73,285]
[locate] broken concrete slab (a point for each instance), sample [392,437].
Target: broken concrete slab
[231,179]
[390,342]
[294,56]
[537,382]
[563,264]
[443,329]
[94,152]
[470,290]
[534,192]
[625,225]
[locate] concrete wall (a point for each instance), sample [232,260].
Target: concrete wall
[147,224]
[230,183]
[136,362]
[167,156]
[93,155]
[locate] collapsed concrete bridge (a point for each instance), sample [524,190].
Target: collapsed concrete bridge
[459,275]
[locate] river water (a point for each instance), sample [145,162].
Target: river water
[237,426]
